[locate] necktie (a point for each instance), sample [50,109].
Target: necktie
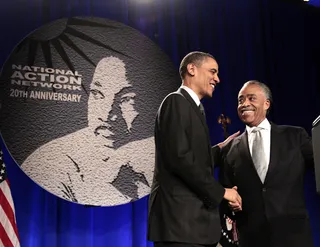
[258,154]
[202,110]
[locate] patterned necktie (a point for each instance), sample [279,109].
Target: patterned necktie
[258,154]
[202,110]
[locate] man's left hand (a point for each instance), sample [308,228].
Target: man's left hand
[226,141]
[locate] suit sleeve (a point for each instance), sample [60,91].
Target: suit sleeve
[216,155]
[180,158]
[225,174]
[219,160]
[306,147]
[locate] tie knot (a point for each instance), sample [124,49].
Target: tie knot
[256,129]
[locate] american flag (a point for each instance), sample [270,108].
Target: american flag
[8,227]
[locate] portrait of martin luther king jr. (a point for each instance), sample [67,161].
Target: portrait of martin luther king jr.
[111,161]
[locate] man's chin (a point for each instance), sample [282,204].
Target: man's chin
[209,94]
[246,120]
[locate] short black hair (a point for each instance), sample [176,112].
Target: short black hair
[196,57]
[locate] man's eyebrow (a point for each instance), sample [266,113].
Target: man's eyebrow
[251,94]
[128,94]
[125,90]
[214,70]
[97,83]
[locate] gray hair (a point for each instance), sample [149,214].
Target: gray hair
[266,90]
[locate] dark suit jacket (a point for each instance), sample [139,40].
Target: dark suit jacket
[183,204]
[274,213]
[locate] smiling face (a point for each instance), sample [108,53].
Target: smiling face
[252,105]
[204,77]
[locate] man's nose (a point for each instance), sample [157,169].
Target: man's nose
[246,102]
[102,120]
[216,79]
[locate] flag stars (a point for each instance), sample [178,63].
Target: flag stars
[3,171]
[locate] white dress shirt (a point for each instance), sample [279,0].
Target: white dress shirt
[193,95]
[266,137]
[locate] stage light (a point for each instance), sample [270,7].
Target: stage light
[143,1]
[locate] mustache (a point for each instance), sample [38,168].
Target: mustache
[102,128]
[247,109]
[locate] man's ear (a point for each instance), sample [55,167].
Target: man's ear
[191,69]
[267,105]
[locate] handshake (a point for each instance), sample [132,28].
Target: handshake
[235,201]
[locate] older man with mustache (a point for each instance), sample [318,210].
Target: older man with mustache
[267,163]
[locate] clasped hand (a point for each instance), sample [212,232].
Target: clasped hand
[235,200]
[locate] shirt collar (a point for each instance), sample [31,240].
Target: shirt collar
[265,124]
[192,94]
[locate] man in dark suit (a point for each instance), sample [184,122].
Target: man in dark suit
[267,164]
[183,205]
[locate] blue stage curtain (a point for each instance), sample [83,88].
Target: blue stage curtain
[270,40]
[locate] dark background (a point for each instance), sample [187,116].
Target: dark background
[273,41]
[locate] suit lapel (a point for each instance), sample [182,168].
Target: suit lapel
[244,147]
[244,151]
[196,109]
[274,150]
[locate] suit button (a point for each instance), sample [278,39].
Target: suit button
[264,189]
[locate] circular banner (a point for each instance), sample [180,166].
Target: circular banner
[78,102]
